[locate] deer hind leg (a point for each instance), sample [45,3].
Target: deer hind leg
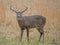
[42,33]
[22,30]
[39,33]
[40,30]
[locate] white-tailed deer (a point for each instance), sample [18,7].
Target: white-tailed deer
[27,22]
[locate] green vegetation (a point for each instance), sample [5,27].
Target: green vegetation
[16,41]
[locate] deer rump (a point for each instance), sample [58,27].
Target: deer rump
[32,21]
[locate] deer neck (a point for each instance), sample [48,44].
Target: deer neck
[20,20]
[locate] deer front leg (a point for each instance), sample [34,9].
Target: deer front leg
[21,34]
[27,34]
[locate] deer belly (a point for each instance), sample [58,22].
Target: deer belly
[31,24]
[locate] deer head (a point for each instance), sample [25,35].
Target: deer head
[19,13]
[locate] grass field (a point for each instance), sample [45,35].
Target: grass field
[8,37]
[16,41]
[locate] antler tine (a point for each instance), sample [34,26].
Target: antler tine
[13,9]
[24,10]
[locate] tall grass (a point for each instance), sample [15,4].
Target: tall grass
[16,41]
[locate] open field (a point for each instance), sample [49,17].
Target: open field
[34,41]
[9,37]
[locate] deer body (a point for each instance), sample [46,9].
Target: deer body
[27,22]
[32,21]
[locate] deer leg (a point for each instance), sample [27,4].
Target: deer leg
[27,34]
[21,34]
[39,33]
[42,33]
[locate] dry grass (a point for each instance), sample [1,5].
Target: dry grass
[16,41]
[9,36]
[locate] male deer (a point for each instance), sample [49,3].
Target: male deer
[27,22]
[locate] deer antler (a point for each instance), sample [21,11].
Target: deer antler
[24,10]
[13,9]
